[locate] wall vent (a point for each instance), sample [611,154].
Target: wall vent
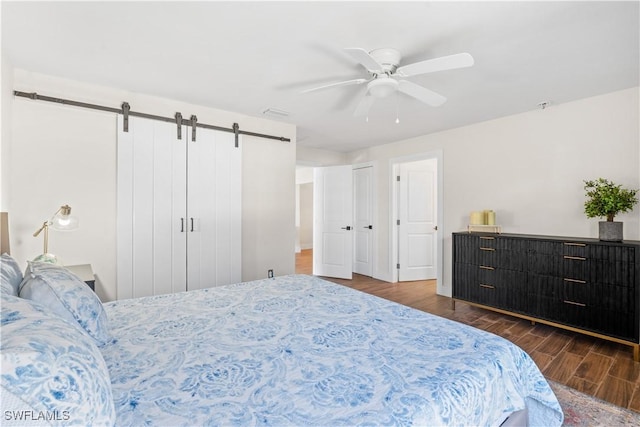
[275,112]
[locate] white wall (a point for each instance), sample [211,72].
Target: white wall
[268,203]
[304,174]
[314,157]
[66,154]
[6,103]
[529,168]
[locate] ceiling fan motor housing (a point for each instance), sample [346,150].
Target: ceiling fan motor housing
[387,57]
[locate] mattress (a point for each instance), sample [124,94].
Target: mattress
[298,350]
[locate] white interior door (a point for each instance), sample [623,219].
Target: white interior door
[151,175]
[213,221]
[332,222]
[363,220]
[417,213]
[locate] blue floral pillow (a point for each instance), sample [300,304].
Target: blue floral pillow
[11,275]
[64,293]
[51,370]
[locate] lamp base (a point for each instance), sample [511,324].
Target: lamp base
[50,258]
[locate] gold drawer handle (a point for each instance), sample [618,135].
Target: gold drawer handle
[487,286]
[487,238]
[575,244]
[575,280]
[578,258]
[486,249]
[579,304]
[484,267]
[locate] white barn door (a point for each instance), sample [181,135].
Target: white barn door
[214,196]
[332,222]
[151,187]
[179,209]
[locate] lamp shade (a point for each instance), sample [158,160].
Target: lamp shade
[63,220]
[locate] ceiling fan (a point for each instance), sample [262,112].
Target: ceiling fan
[385,76]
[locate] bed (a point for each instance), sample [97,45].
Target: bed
[294,350]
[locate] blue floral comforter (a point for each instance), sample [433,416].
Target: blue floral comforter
[298,350]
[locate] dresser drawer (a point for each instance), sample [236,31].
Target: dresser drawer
[608,322]
[487,242]
[491,251]
[608,272]
[596,251]
[487,256]
[504,259]
[607,297]
[580,292]
[575,249]
[489,286]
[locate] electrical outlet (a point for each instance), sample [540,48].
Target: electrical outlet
[270,274]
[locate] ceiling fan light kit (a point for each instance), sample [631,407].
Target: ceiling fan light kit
[382,87]
[385,73]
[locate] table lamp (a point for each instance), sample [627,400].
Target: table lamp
[61,221]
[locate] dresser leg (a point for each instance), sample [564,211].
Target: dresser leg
[636,353]
[453,304]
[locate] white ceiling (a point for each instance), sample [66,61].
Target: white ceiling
[248,56]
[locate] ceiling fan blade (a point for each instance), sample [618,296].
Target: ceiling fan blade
[363,58]
[364,105]
[459,60]
[421,93]
[338,84]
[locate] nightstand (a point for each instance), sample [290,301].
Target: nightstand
[85,273]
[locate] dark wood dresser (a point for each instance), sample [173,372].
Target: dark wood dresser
[584,285]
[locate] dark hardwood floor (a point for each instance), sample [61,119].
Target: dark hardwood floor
[593,366]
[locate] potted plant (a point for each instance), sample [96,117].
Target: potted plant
[606,200]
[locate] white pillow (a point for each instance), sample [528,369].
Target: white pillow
[65,294]
[51,370]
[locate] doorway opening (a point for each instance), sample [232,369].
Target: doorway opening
[305,224]
[335,216]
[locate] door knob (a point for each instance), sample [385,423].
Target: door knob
[348,227]
[435,228]
[370,227]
